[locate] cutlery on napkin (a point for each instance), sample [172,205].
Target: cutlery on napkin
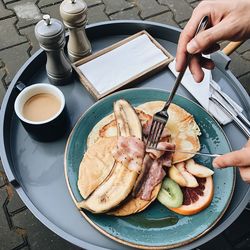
[238,122]
[206,89]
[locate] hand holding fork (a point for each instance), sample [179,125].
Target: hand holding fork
[160,118]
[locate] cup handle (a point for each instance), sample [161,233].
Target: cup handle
[20,85]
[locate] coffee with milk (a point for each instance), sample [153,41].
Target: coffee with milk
[41,107]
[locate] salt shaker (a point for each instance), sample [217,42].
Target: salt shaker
[51,37]
[74,15]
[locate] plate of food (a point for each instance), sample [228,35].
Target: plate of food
[144,198]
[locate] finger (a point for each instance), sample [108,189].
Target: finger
[206,38]
[206,63]
[181,56]
[205,8]
[239,158]
[195,68]
[187,34]
[245,173]
[211,49]
[181,53]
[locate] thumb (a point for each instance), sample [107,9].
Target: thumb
[237,158]
[207,38]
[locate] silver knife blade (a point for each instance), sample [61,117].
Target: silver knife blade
[227,100]
[186,152]
[234,117]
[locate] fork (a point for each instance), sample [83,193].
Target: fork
[160,118]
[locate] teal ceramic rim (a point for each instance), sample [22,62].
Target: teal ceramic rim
[125,242]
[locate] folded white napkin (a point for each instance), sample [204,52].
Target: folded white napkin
[202,91]
[119,65]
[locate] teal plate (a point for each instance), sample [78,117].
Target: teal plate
[156,227]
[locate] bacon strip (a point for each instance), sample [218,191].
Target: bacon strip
[147,163]
[154,177]
[165,156]
[130,152]
[152,172]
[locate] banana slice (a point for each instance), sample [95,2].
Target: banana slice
[120,182]
[114,190]
[128,123]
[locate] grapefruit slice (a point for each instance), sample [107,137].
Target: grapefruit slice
[196,199]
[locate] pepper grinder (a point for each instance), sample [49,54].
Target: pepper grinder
[51,37]
[74,15]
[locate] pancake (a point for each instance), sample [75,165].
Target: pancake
[96,165]
[106,127]
[94,134]
[135,205]
[181,125]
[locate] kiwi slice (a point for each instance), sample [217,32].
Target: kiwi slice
[170,194]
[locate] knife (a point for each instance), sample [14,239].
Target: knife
[186,152]
[234,117]
[227,100]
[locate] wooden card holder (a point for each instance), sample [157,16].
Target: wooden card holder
[142,75]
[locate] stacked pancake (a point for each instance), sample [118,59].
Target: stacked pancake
[117,175]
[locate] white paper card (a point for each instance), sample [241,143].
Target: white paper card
[119,65]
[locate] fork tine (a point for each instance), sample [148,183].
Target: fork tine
[155,134]
[152,141]
[158,136]
[151,132]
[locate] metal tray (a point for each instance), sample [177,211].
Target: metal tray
[36,169]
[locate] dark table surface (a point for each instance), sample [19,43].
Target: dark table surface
[38,76]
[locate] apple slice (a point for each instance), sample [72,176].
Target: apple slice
[176,175]
[198,170]
[190,179]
